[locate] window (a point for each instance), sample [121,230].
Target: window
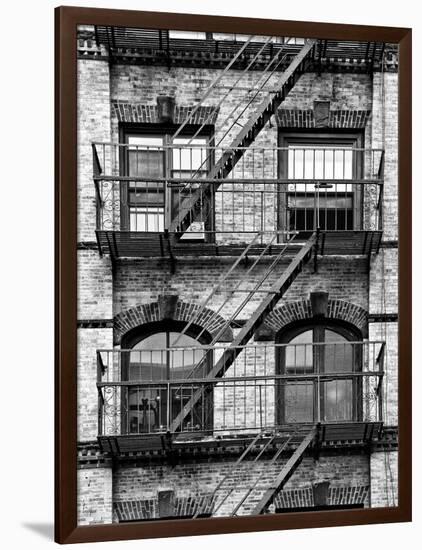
[245,37]
[319,349]
[148,204]
[160,354]
[148,361]
[294,40]
[190,35]
[327,203]
[146,199]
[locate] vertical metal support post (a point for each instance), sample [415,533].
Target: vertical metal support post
[380,207]
[100,412]
[318,419]
[381,385]
[168,163]
[260,406]
[100,396]
[262,216]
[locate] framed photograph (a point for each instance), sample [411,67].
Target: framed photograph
[233,282]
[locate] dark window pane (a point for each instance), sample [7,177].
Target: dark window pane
[303,219]
[299,357]
[335,354]
[298,400]
[338,400]
[146,194]
[146,163]
[338,353]
[147,408]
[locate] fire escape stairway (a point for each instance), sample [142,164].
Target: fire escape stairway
[271,298]
[191,207]
[251,484]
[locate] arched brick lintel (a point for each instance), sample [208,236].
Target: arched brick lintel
[147,114]
[338,310]
[169,307]
[340,118]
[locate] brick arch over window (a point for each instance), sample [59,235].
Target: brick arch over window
[169,307]
[338,310]
[147,114]
[305,118]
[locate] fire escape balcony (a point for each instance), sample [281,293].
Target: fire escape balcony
[268,388]
[190,49]
[168,200]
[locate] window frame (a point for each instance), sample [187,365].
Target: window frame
[164,131]
[318,326]
[141,332]
[312,136]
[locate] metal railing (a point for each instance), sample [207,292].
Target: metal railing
[143,391]
[331,188]
[187,161]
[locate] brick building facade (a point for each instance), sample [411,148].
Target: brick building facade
[150,447]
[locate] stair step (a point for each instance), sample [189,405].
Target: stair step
[250,486]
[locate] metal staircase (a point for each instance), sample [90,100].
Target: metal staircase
[271,298]
[286,472]
[251,484]
[190,208]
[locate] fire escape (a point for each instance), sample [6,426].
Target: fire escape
[231,200]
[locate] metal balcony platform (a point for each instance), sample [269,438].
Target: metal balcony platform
[152,46]
[131,244]
[331,435]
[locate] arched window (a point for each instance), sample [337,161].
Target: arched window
[319,348]
[158,353]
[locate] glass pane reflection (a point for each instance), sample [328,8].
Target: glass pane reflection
[164,355]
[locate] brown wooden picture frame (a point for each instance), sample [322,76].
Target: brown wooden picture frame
[66,529]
